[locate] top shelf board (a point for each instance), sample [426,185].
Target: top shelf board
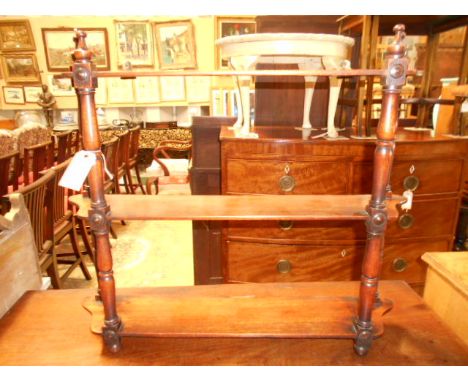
[236,207]
[289,72]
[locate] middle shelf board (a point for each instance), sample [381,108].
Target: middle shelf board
[236,207]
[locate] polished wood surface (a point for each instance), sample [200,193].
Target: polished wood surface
[298,310]
[344,167]
[231,207]
[446,290]
[413,335]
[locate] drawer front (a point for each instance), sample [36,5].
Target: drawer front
[258,262]
[296,231]
[402,261]
[422,177]
[285,177]
[426,218]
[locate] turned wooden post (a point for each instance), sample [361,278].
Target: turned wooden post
[376,223]
[85,83]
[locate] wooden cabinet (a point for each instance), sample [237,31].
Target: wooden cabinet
[281,162]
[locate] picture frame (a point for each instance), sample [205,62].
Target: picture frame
[60,87]
[147,90]
[16,36]
[119,91]
[231,26]
[13,95]
[135,46]
[175,42]
[198,89]
[31,93]
[59,46]
[20,68]
[172,88]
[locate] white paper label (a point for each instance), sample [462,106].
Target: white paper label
[78,169]
[408,194]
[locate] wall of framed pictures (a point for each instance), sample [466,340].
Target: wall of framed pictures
[33,50]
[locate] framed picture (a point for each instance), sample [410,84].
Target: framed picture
[20,68]
[231,26]
[59,46]
[198,89]
[172,88]
[31,93]
[13,95]
[119,91]
[101,92]
[134,43]
[147,90]
[16,36]
[60,87]
[175,43]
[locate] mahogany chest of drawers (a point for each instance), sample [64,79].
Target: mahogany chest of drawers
[280,161]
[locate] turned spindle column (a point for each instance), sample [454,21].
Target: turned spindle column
[85,83]
[397,65]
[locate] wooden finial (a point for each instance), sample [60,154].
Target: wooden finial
[81,49]
[400,34]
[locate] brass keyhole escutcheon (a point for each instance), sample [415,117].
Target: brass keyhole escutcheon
[411,183]
[283,266]
[286,225]
[406,221]
[344,253]
[400,264]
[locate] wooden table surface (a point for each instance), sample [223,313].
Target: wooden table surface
[52,328]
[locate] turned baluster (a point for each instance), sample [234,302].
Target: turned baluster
[376,223]
[85,83]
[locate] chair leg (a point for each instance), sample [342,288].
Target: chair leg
[76,248]
[112,232]
[52,271]
[128,175]
[86,240]
[140,183]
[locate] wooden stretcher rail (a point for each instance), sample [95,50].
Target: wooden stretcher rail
[236,207]
[223,73]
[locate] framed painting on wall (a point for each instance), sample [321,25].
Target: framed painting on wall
[31,93]
[13,95]
[59,46]
[134,43]
[61,87]
[175,42]
[231,26]
[16,36]
[20,68]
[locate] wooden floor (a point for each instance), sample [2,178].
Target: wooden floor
[52,328]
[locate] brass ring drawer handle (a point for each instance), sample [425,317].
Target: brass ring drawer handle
[406,221]
[400,264]
[286,225]
[283,266]
[411,183]
[287,183]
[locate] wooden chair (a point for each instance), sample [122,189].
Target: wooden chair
[36,158]
[65,225]
[39,200]
[9,172]
[121,172]
[110,151]
[174,171]
[131,161]
[63,146]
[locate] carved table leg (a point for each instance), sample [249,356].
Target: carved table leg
[243,82]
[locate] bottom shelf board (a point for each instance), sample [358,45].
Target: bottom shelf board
[286,310]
